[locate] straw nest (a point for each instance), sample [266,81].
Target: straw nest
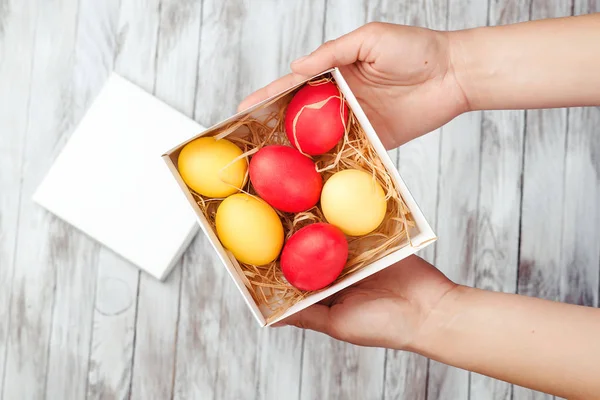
[266,283]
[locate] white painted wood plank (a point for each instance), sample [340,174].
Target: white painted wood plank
[337,370]
[113,342]
[158,302]
[280,363]
[218,62]
[543,185]
[47,250]
[579,280]
[17,34]
[405,376]
[585,7]
[111,350]
[177,58]
[275,33]
[343,16]
[94,51]
[418,163]
[155,337]
[75,257]
[75,291]
[198,333]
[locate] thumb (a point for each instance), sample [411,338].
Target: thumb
[344,50]
[315,317]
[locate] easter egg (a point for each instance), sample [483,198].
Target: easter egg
[314,257]
[285,178]
[205,165]
[315,118]
[353,201]
[249,228]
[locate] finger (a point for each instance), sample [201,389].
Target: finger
[342,51]
[273,88]
[315,317]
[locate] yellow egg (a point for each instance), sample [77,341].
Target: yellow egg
[250,229]
[353,201]
[205,166]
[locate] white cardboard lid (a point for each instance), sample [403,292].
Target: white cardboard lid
[110,182]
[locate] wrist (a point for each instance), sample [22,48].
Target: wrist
[466,65]
[436,320]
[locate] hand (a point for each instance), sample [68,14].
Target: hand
[386,309]
[402,76]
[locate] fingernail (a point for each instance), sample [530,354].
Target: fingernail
[299,60]
[278,325]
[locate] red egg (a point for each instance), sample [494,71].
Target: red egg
[319,126]
[285,178]
[314,256]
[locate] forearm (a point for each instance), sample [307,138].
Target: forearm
[539,64]
[543,345]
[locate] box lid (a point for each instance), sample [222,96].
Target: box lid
[110,182]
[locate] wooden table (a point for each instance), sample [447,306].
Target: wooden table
[504,191]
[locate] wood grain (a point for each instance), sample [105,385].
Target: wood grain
[579,280]
[543,188]
[17,37]
[81,322]
[47,249]
[579,277]
[75,292]
[198,331]
[158,302]
[354,12]
[337,370]
[112,349]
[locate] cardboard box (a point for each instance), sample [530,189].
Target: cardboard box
[109,183]
[421,235]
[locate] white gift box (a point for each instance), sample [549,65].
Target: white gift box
[421,235]
[110,182]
